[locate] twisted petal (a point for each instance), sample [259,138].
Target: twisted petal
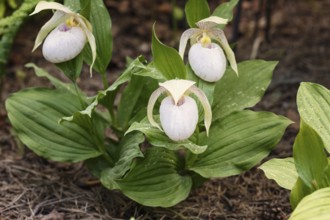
[58,18]
[186,35]
[87,28]
[177,88]
[43,5]
[210,22]
[152,100]
[219,35]
[206,106]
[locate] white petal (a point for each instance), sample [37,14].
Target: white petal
[177,88]
[186,35]
[151,103]
[87,27]
[178,121]
[208,63]
[61,46]
[206,106]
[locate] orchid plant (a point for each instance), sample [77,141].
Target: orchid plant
[307,173]
[171,127]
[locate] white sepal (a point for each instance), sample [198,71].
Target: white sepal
[209,63]
[178,121]
[63,44]
[211,22]
[151,103]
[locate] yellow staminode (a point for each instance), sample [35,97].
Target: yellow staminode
[205,40]
[71,22]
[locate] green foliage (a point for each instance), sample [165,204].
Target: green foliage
[234,94]
[196,10]
[101,22]
[35,113]
[237,143]
[283,171]
[313,102]
[312,170]
[155,180]
[314,206]
[225,10]
[167,60]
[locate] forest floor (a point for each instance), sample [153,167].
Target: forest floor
[34,188]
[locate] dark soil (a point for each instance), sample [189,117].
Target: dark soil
[34,188]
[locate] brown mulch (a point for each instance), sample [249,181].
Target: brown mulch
[34,188]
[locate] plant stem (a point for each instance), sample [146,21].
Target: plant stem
[104,80]
[82,103]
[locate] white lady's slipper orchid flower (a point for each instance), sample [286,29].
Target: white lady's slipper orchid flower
[207,59]
[179,112]
[64,35]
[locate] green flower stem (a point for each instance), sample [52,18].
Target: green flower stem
[81,100]
[104,80]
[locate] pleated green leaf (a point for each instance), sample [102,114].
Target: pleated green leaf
[167,60]
[124,154]
[238,142]
[35,115]
[155,180]
[196,10]
[315,206]
[283,171]
[313,102]
[234,93]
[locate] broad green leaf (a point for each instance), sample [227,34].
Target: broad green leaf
[238,142]
[298,192]
[155,180]
[158,138]
[283,171]
[313,102]
[309,156]
[101,22]
[35,113]
[313,207]
[196,10]
[65,87]
[167,60]
[225,10]
[234,93]
[127,151]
